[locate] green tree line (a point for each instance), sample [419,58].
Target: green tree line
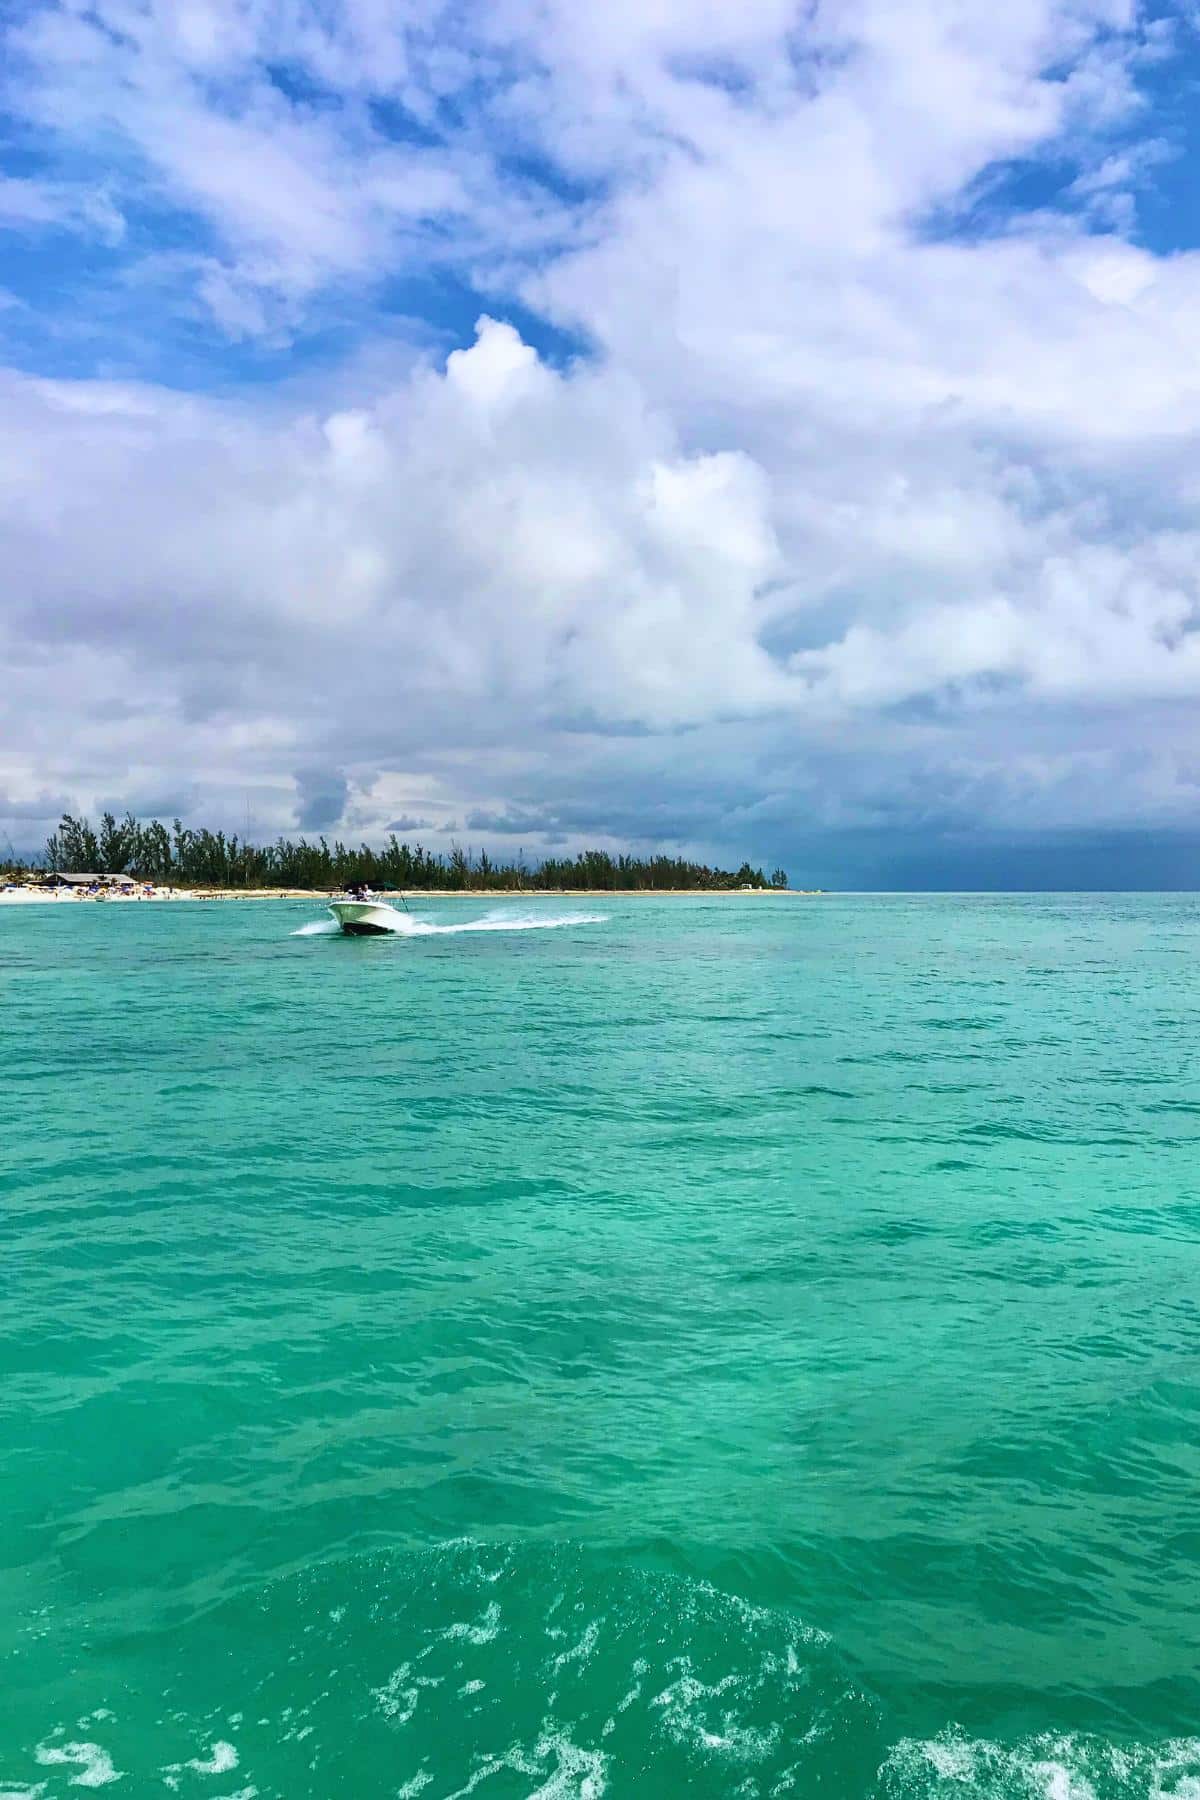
[185,857]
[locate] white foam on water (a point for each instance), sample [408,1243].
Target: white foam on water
[481,1633]
[578,1774]
[1061,1783]
[223,1758]
[395,1700]
[92,1760]
[400,1694]
[686,1715]
[409,925]
[502,920]
[1043,1768]
[982,1770]
[412,1788]
[639,1669]
[580,1652]
[1177,1762]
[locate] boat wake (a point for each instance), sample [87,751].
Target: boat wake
[407,925]
[544,1672]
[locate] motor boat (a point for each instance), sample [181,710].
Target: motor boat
[361,916]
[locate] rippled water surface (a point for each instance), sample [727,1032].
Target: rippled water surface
[723,1347]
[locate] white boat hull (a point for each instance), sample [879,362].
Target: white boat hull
[364,918]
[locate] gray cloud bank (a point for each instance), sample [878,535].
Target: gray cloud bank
[847,533]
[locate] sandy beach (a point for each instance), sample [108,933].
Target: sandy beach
[34,896]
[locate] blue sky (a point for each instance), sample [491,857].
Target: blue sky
[768,433]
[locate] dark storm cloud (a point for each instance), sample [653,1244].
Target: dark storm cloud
[321,798]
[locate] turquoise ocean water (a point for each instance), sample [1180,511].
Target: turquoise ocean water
[717,1347]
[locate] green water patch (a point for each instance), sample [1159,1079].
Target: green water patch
[681,1260]
[520,1672]
[503,1669]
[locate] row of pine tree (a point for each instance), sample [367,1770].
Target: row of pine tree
[190,858]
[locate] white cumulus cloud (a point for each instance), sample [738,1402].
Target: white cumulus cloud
[870,497]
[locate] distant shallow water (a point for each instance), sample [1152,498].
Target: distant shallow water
[711,1347]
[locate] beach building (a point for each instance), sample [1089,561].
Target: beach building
[51,879]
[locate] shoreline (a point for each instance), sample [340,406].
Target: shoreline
[321,896]
[48,897]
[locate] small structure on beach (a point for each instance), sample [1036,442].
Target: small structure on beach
[58,879]
[73,884]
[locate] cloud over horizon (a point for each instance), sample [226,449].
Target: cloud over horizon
[756,434]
